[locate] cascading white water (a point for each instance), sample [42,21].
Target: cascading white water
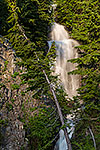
[58,32]
[65,51]
[61,143]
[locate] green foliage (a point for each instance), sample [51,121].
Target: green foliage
[41,129]
[9,106]
[12,100]
[82,19]
[15,74]
[28,32]
[22,93]
[15,86]
[28,23]
[5,66]
[3,17]
[29,39]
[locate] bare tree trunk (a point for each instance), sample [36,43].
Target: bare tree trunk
[54,95]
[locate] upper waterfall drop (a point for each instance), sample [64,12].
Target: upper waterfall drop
[58,32]
[65,51]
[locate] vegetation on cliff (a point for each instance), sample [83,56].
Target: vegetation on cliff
[27,30]
[26,24]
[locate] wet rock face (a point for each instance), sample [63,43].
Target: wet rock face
[12,136]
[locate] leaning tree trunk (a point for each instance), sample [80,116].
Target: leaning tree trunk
[54,95]
[51,88]
[59,111]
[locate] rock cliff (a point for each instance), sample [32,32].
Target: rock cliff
[13,100]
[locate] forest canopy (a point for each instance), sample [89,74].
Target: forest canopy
[26,24]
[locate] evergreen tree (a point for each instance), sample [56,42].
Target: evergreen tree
[3,17]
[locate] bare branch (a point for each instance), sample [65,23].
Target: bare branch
[52,90]
[92,137]
[50,125]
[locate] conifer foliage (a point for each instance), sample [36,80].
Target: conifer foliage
[82,19]
[26,24]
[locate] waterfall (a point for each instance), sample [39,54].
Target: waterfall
[65,51]
[58,32]
[61,143]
